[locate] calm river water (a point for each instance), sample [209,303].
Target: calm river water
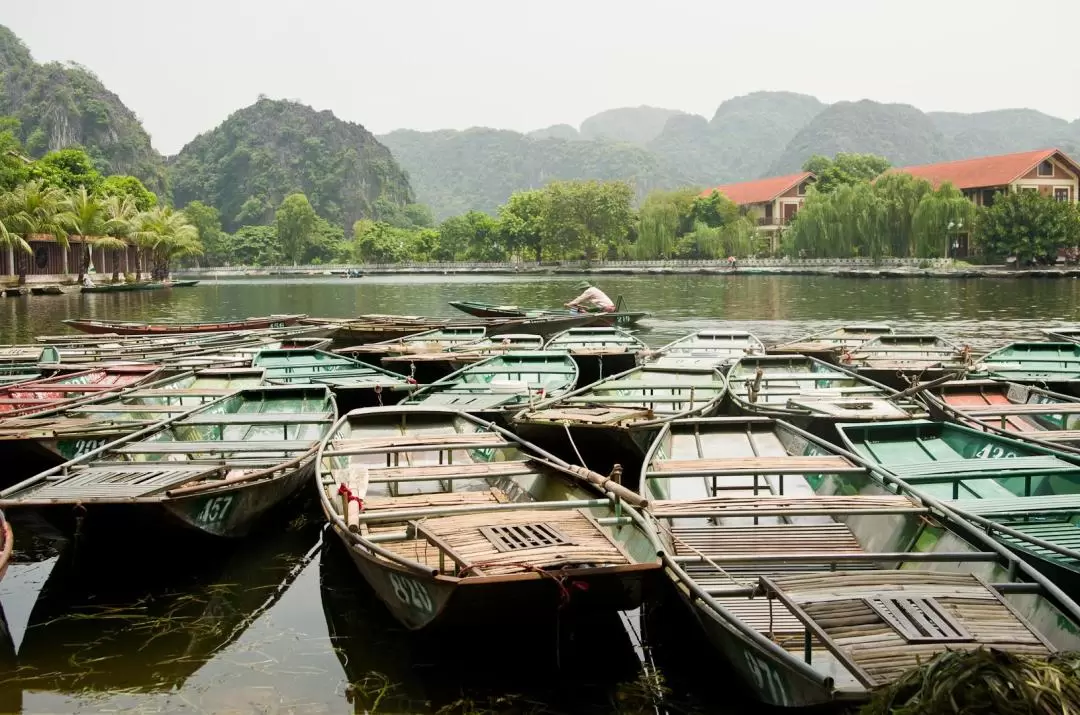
[278,624]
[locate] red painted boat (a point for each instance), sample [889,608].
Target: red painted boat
[7,542]
[102,327]
[26,398]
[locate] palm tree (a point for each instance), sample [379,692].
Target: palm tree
[120,213]
[167,234]
[31,209]
[86,217]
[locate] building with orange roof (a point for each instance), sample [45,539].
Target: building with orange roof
[773,201]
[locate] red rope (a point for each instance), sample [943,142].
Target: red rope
[349,496]
[564,583]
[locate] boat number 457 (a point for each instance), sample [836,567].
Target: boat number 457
[214,510]
[766,680]
[411,592]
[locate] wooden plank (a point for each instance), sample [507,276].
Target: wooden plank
[1024,409]
[259,418]
[198,447]
[821,462]
[436,472]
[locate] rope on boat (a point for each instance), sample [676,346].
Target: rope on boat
[564,582]
[566,426]
[707,560]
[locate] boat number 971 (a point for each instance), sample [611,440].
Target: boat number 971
[766,679]
[411,592]
[215,509]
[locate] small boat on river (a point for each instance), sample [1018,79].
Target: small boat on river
[599,352]
[501,384]
[619,317]
[831,344]
[7,544]
[614,421]
[469,353]
[355,384]
[1024,412]
[25,364]
[213,471]
[451,519]
[814,583]
[378,328]
[136,286]
[901,360]
[708,348]
[66,390]
[813,394]
[1062,334]
[169,328]
[1027,497]
[1053,366]
[421,356]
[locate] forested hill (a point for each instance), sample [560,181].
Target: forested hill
[62,105]
[262,153]
[456,171]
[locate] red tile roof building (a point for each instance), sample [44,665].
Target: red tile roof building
[773,201]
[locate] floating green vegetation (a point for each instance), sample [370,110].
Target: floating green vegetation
[984,681]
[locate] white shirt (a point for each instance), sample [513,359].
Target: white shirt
[593,297]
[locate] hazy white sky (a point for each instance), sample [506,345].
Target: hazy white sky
[430,64]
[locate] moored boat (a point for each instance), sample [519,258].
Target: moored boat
[1054,366]
[213,471]
[378,328]
[599,352]
[1024,412]
[901,360]
[7,545]
[355,384]
[137,286]
[66,390]
[708,348]
[813,394]
[817,585]
[1062,334]
[168,328]
[501,384]
[829,345]
[420,356]
[450,519]
[619,317]
[1026,496]
[614,421]
[469,353]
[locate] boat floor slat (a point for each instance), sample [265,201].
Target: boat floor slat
[84,484]
[822,462]
[212,446]
[258,418]
[1018,505]
[762,539]
[777,504]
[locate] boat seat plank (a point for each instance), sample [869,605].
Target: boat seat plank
[1025,409]
[113,484]
[477,438]
[164,392]
[1060,533]
[762,539]
[1057,435]
[450,471]
[1066,503]
[772,505]
[214,446]
[1007,466]
[598,415]
[822,462]
[434,499]
[113,409]
[258,418]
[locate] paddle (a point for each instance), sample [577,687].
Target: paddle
[926,386]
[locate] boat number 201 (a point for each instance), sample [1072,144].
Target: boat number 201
[215,509]
[411,592]
[766,679]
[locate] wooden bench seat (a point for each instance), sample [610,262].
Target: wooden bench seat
[981,468]
[439,472]
[1018,506]
[257,418]
[753,465]
[215,446]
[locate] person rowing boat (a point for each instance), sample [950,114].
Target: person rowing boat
[592,297]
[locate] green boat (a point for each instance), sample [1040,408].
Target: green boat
[1054,366]
[1027,497]
[614,421]
[141,285]
[901,360]
[58,435]
[813,394]
[708,348]
[619,317]
[214,471]
[421,356]
[501,384]
[1049,419]
[598,351]
[22,365]
[829,345]
[814,584]
[451,519]
[355,384]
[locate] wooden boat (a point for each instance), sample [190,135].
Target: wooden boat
[499,385]
[614,421]
[817,585]
[70,389]
[708,348]
[17,365]
[355,384]
[66,433]
[831,344]
[7,544]
[1024,412]
[812,393]
[1062,334]
[469,353]
[901,360]
[598,352]
[1026,496]
[1054,366]
[213,471]
[458,519]
[378,328]
[620,317]
[420,356]
[168,328]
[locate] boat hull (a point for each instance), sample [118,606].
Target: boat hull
[601,447]
[424,602]
[592,367]
[96,327]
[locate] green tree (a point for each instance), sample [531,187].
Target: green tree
[13,163]
[67,169]
[207,221]
[473,236]
[667,216]
[327,242]
[379,242]
[521,223]
[1028,226]
[845,169]
[419,215]
[714,210]
[85,216]
[939,217]
[34,208]
[167,235]
[900,195]
[254,246]
[588,218]
[119,185]
[294,221]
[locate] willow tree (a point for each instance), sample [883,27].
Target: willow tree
[900,195]
[940,215]
[810,234]
[664,217]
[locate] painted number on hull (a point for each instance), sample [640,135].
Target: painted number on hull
[214,510]
[766,679]
[83,446]
[411,592]
[993,451]
[277,325]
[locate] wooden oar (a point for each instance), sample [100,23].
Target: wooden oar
[926,386]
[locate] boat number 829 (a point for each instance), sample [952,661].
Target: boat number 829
[412,593]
